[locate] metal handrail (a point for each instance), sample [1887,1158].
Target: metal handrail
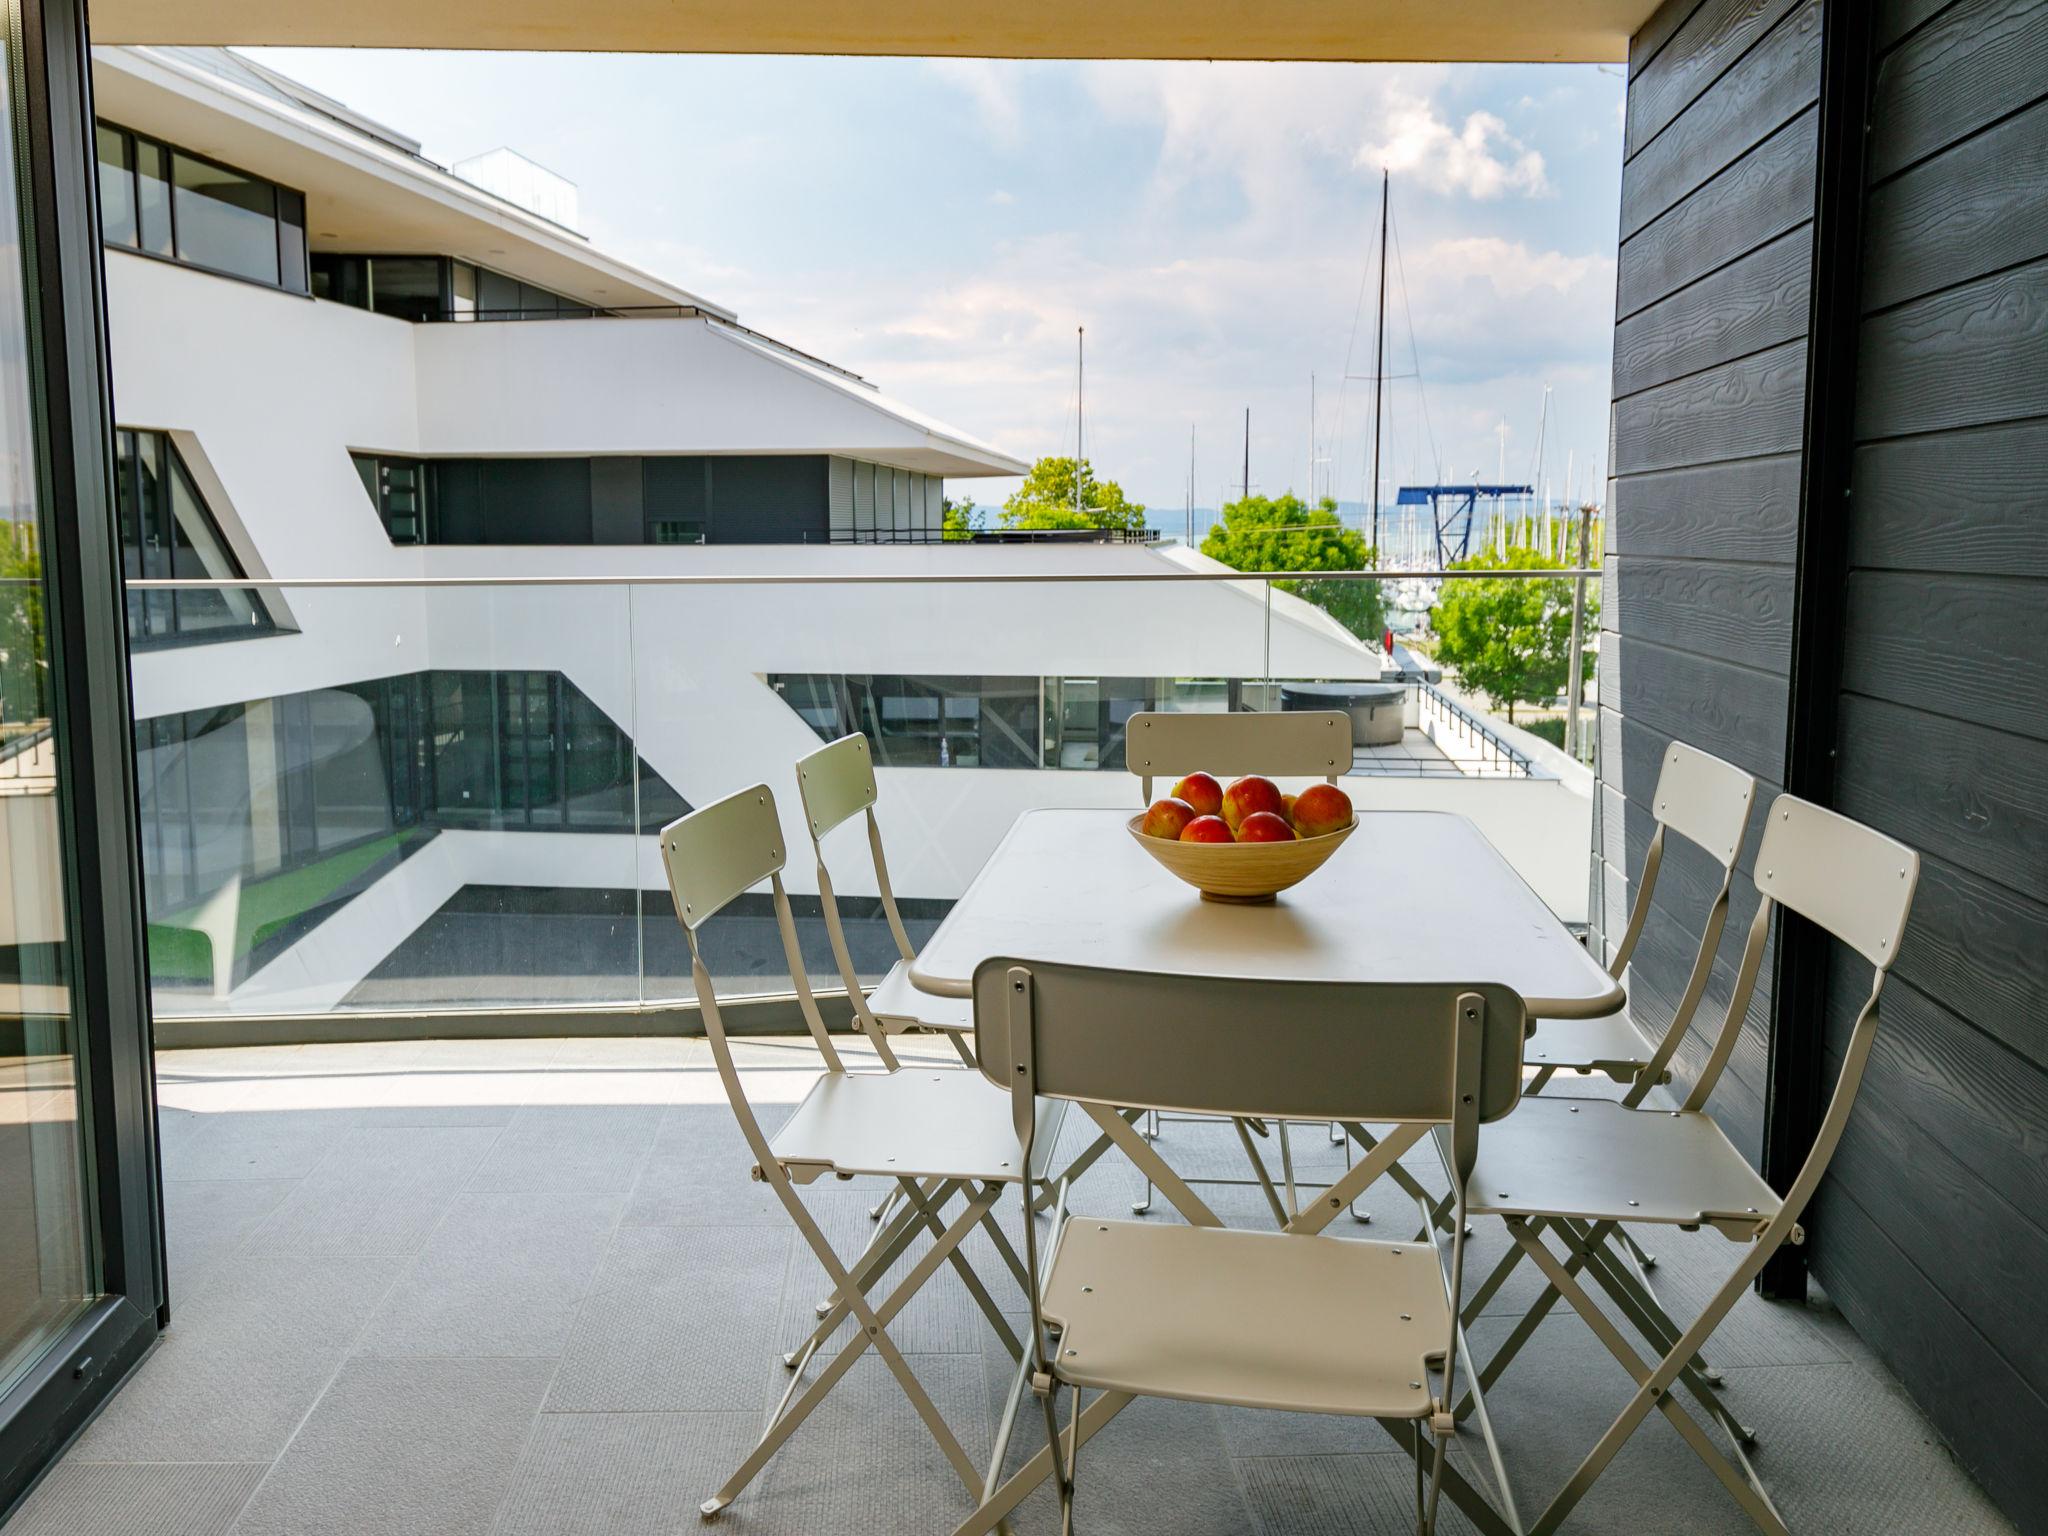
[1455,712]
[826,578]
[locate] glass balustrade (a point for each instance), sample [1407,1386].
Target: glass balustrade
[441,795]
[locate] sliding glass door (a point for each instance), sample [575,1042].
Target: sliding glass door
[81,1290]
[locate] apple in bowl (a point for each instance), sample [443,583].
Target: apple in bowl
[1167,818]
[1249,795]
[1320,810]
[1201,791]
[1264,827]
[1207,829]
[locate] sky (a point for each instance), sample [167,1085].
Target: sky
[943,227]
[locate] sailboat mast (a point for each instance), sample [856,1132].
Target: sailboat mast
[1080,379]
[1379,373]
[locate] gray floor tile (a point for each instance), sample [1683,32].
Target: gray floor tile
[679,1319]
[254,1143]
[628,1238]
[205,1224]
[625,1474]
[382,1189]
[502,1275]
[569,1149]
[867,1421]
[403,1448]
[700,1172]
[1361,1495]
[88,1498]
[239,1367]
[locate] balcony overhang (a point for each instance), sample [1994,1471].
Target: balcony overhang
[1545,31]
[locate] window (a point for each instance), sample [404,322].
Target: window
[616,499]
[167,531]
[169,202]
[990,722]
[307,797]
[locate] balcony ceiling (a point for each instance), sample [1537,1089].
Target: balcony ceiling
[1581,31]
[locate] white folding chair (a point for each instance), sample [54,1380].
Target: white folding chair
[1290,744]
[1579,1168]
[1291,1321]
[1705,801]
[837,783]
[937,1135]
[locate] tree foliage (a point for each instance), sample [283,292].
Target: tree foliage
[1261,533]
[1046,500]
[961,519]
[1510,639]
[24,658]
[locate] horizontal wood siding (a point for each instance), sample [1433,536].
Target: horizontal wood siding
[1713,292]
[1931,1233]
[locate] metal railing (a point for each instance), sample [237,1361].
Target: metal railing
[1501,753]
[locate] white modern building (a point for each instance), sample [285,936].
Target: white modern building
[335,359]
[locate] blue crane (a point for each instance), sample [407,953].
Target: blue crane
[1451,510]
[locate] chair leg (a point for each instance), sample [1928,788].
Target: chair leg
[883,1250]
[1280,1213]
[1652,1392]
[1025,1480]
[873,1334]
[882,1208]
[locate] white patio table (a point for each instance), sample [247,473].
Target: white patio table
[1413,896]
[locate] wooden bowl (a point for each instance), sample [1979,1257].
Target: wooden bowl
[1241,872]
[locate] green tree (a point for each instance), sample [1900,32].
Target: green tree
[1510,639]
[961,519]
[1046,500]
[1261,533]
[24,660]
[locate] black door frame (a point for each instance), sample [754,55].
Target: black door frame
[95,747]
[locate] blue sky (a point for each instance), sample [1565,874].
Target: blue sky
[942,226]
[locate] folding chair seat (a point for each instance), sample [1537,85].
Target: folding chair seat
[1588,1159]
[1707,802]
[913,1122]
[1293,1321]
[1162,1312]
[900,1006]
[1574,1170]
[941,1135]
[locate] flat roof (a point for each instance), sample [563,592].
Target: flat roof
[1479,31]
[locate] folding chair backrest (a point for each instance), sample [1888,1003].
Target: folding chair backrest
[1289,744]
[1851,880]
[715,855]
[721,852]
[1294,1050]
[836,782]
[1704,799]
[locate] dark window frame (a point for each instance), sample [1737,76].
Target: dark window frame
[170,467]
[132,143]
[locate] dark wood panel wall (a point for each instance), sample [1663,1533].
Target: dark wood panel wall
[1931,1233]
[1710,357]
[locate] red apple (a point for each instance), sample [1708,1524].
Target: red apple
[1167,819]
[1250,794]
[1264,827]
[1207,829]
[1320,810]
[1201,791]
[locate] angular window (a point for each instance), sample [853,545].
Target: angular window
[117,186]
[165,202]
[225,220]
[167,531]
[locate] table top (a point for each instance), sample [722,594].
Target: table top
[1413,896]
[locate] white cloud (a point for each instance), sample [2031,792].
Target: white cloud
[992,85]
[1481,159]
